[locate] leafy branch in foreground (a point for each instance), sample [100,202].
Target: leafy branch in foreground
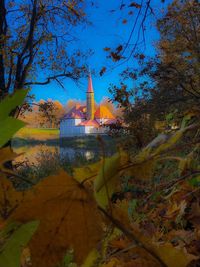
[14,236]
[157,216]
[150,215]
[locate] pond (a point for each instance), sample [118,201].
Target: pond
[39,159]
[75,150]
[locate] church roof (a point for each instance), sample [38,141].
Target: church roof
[109,122]
[103,112]
[89,123]
[82,109]
[90,86]
[75,113]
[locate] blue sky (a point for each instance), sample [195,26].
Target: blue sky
[107,30]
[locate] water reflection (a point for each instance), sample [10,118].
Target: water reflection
[34,153]
[73,153]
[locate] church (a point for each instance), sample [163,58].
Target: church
[85,120]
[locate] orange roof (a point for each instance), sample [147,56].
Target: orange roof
[89,123]
[103,112]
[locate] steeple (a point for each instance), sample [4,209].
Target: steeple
[90,99]
[90,87]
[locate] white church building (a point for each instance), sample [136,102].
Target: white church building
[85,120]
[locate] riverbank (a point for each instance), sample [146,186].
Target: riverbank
[42,153]
[40,136]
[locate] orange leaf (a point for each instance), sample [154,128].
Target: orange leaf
[68,219]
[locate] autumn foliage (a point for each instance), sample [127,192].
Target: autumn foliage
[138,207]
[154,222]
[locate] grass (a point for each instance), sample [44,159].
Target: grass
[37,134]
[34,136]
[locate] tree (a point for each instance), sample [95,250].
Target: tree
[49,113]
[135,12]
[44,113]
[174,71]
[109,104]
[71,103]
[168,82]
[179,50]
[35,36]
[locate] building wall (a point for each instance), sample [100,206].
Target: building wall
[68,127]
[69,131]
[95,130]
[72,122]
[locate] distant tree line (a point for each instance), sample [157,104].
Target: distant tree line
[47,114]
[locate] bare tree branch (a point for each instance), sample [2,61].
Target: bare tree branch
[49,79]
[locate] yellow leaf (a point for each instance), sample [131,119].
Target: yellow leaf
[176,209]
[80,174]
[108,169]
[68,219]
[170,142]
[91,258]
[114,262]
[106,181]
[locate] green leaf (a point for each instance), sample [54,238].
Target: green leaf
[10,102]
[68,260]
[9,127]
[169,117]
[195,181]
[18,237]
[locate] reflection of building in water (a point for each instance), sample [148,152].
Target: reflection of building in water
[71,153]
[84,120]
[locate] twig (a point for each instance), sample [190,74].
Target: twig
[16,175]
[131,236]
[118,252]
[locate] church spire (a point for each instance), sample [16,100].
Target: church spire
[90,86]
[90,99]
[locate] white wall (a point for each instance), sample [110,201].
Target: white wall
[94,130]
[68,128]
[72,122]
